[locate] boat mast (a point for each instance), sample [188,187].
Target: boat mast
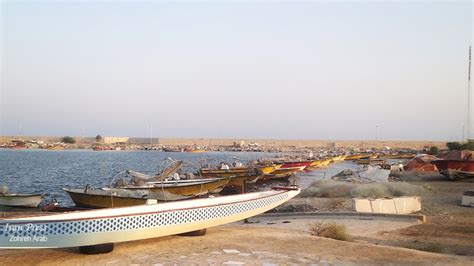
[469,97]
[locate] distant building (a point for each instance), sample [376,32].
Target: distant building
[115,140]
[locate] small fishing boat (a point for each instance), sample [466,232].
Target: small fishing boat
[106,198]
[96,228]
[371,161]
[292,165]
[268,169]
[282,173]
[397,156]
[21,200]
[354,157]
[129,195]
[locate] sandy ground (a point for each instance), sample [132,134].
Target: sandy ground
[449,226]
[237,245]
[448,234]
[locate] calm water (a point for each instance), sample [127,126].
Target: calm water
[43,171]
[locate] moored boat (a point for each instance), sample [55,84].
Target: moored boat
[21,200]
[295,164]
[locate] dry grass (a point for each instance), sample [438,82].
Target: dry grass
[381,190]
[428,247]
[337,189]
[330,230]
[335,204]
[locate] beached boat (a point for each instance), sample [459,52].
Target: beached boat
[354,157]
[371,161]
[106,198]
[21,200]
[292,165]
[268,169]
[282,173]
[456,169]
[179,189]
[397,156]
[250,172]
[114,225]
[128,195]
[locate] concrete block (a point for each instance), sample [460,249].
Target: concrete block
[406,205]
[383,206]
[361,205]
[402,205]
[468,199]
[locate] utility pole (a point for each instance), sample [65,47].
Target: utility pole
[469,97]
[151,136]
[462,134]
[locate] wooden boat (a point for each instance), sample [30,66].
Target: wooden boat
[268,169]
[114,225]
[397,156]
[197,151]
[292,165]
[371,161]
[21,200]
[282,173]
[316,163]
[325,162]
[456,169]
[236,185]
[180,189]
[100,198]
[354,157]
[138,195]
[249,172]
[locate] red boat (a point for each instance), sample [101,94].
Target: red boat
[302,164]
[456,169]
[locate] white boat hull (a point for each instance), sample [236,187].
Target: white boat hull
[115,225]
[13,200]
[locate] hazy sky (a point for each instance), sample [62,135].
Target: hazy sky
[312,70]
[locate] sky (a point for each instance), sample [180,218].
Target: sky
[393,70]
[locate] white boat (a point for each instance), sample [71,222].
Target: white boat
[21,200]
[105,226]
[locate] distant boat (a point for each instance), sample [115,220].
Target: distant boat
[302,165]
[97,227]
[282,173]
[231,172]
[21,200]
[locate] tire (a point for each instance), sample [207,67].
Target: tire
[96,249]
[195,233]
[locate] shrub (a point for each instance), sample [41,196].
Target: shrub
[433,150]
[374,190]
[69,140]
[335,203]
[330,230]
[327,189]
